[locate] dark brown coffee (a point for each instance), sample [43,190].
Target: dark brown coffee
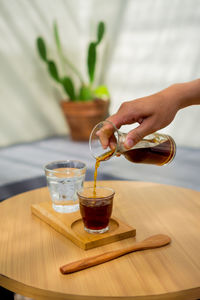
[160,154]
[96,215]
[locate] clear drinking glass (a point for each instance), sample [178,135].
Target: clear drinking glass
[156,148]
[96,209]
[64,180]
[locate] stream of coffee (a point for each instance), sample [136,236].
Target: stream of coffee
[103,157]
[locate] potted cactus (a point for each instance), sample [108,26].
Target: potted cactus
[88,104]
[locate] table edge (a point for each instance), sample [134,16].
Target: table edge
[37,293]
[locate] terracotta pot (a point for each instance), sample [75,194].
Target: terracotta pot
[83,116]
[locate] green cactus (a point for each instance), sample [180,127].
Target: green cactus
[86,91]
[92,55]
[66,82]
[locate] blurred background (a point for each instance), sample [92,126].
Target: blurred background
[148,45]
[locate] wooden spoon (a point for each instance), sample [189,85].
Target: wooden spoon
[154,241]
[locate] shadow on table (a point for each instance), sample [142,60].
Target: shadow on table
[6,294]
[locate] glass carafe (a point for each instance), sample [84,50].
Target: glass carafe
[156,148]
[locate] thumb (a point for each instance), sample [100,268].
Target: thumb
[138,133]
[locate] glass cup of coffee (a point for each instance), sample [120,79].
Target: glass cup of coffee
[96,208]
[64,179]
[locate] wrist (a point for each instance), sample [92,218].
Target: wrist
[186,94]
[172,96]
[178,95]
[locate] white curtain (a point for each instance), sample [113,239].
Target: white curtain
[149,45]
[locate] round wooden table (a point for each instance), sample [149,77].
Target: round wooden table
[31,252]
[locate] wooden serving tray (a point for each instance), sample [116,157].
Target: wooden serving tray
[71,226]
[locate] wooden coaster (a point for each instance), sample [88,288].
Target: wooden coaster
[71,226]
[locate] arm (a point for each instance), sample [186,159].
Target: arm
[156,111]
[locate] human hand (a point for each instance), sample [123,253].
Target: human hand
[151,113]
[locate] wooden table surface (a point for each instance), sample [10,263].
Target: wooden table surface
[31,252]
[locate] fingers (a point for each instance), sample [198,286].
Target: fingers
[137,134]
[112,142]
[116,120]
[106,136]
[130,112]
